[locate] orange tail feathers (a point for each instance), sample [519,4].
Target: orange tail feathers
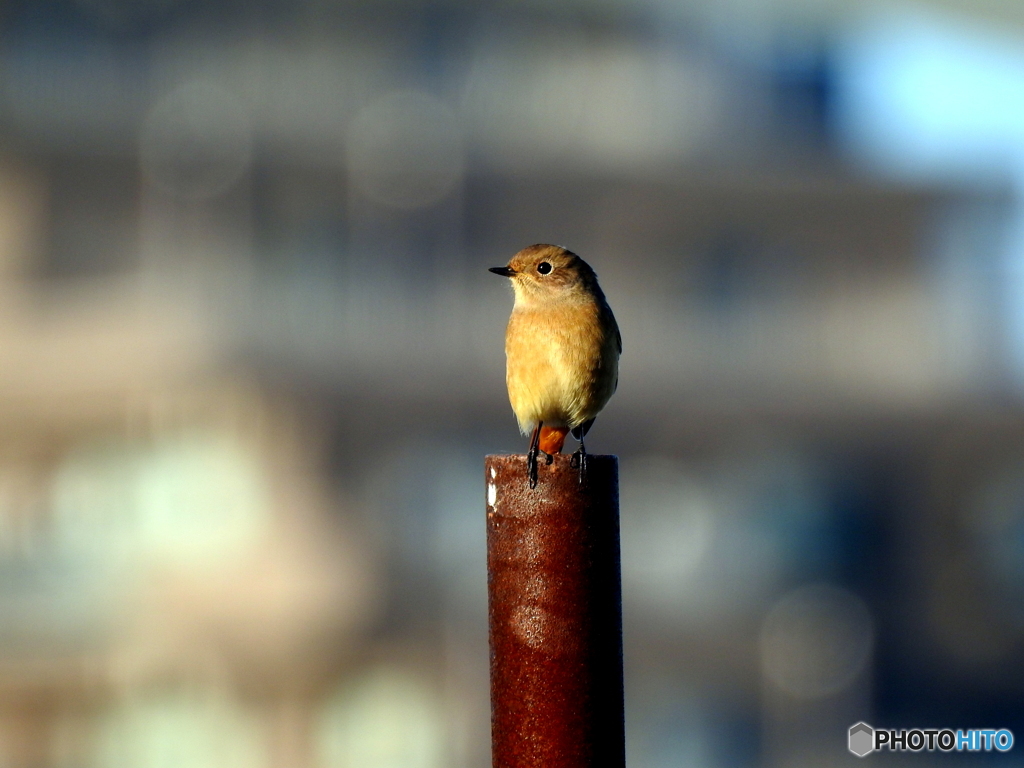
[552,439]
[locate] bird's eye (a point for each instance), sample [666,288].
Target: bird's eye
[543,268]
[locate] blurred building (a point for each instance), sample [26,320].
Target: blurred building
[251,358]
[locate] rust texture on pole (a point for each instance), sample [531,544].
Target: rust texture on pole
[555,613]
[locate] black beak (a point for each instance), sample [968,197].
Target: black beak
[503,271]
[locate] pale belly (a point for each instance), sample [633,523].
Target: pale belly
[557,373]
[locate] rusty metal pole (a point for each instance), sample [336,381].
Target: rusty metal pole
[555,611]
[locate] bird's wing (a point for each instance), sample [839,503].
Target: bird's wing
[615,325]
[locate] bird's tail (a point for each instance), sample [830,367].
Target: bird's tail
[552,439]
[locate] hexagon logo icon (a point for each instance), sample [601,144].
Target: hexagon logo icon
[862,739]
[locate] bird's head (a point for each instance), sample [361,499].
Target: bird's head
[542,273]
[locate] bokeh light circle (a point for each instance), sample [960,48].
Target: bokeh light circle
[816,640]
[405,150]
[195,143]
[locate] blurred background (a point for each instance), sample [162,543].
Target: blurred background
[251,360]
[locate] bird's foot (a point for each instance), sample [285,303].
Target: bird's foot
[578,460]
[531,464]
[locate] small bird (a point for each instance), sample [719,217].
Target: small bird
[562,348]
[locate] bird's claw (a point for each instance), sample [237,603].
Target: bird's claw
[579,461]
[531,464]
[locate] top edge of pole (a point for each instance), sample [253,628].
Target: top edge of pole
[559,458]
[509,470]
